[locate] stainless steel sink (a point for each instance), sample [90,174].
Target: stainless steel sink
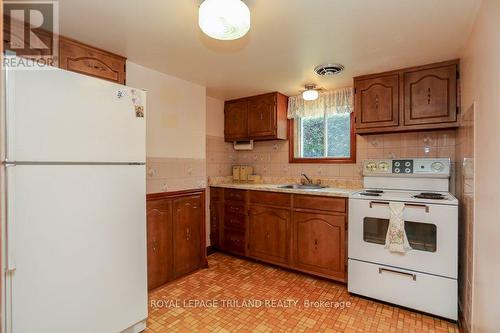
[303,187]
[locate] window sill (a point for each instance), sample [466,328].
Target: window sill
[348,160]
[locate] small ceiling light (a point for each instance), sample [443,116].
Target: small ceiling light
[224,19]
[311,93]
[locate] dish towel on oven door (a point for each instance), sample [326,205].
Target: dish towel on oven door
[396,240]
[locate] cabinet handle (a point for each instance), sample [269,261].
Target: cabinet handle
[381,270]
[155,246]
[268,236]
[429,96]
[188,234]
[261,116]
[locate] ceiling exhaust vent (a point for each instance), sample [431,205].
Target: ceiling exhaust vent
[328,69]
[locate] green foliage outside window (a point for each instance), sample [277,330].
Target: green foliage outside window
[326,136]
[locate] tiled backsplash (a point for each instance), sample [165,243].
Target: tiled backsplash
[220,157]
[270,158]
[175,174]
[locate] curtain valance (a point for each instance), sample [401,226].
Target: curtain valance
[328,103]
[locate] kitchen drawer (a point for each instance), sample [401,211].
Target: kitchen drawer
[424,292]
[270,198]
[234,195]
[321,203]
[234,241]
[235,221]
[234,208]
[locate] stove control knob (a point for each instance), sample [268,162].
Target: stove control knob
[383,166]
[407,164]
[371,166]
[397,170]
[397,164]
[407,170]
[437,166]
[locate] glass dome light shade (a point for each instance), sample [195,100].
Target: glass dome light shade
[224,19]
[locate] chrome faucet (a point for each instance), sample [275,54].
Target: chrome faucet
[309,180]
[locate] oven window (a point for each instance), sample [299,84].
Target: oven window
[421,236]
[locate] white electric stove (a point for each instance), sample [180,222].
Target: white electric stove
[424,278]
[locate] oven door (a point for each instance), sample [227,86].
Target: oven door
[432,231]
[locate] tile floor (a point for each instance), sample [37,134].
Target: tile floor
[231,297]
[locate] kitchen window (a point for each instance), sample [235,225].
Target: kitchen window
[322,131]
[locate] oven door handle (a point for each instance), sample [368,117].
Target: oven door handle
[413,276]
[406,205]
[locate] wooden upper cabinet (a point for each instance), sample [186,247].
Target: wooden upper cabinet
[84,59]
[262,117]
[377,102]
[416,98]
[268,233]
[235,120]
[159,242]
[430,95]
[320,243]
[187,234]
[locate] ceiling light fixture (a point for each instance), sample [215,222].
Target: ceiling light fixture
[311,93]
[224,19]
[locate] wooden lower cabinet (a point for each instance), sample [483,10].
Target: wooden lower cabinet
[187,235]
[268,230]
[297,231]
[175,235]
[159,242]
[319,243]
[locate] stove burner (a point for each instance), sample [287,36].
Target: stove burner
[430,195]
[370,194]
[374,191]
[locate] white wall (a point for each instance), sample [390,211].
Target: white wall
[215,117]
[175,113]
[481,84]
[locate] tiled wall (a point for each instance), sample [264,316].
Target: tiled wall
[220,157]
[175,174]
[465,194]
[270,158]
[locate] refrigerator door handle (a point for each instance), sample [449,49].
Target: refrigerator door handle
[10,225]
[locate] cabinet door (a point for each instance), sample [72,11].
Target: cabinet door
[430,96]
[159,242]
[187,235]
[262,116]
[319,243]
[268,233]
[377,102]
[236,120]
[84,59]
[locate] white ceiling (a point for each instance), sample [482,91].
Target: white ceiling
[288,38]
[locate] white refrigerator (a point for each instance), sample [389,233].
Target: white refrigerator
[73,181]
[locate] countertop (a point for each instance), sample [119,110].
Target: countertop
[328,191]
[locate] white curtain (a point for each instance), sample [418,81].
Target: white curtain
[328,103]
